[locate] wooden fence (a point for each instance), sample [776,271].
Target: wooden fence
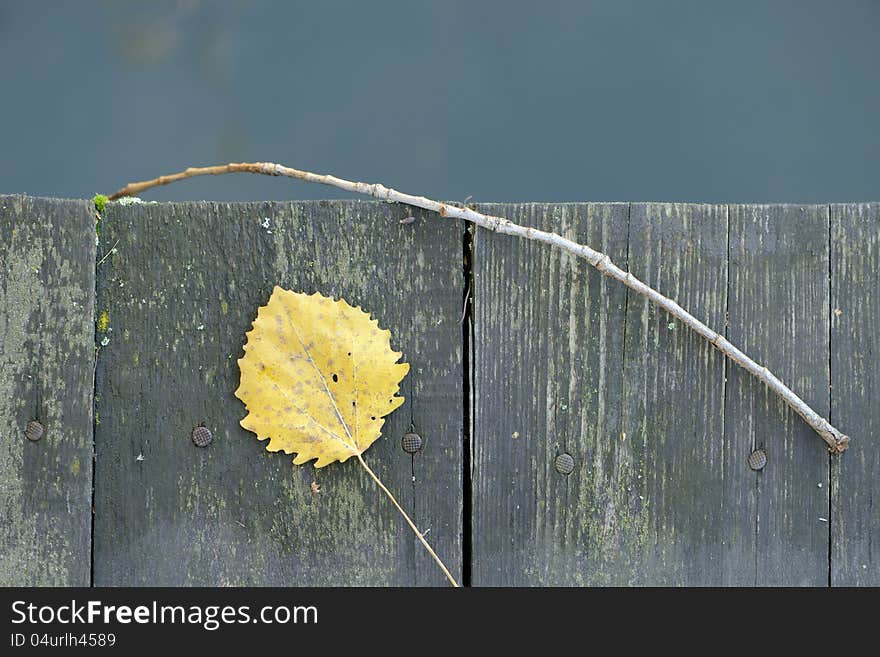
[119,349]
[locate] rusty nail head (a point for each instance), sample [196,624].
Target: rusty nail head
[758,459]
[34,431]
[564,463]
[202,436]
[411,443]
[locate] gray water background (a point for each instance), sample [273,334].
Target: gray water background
[546,101]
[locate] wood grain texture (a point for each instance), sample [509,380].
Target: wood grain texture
[674,396]
[567,359]
[563,361]
[47,274]
[778,313]
[548,358]
[179,293]
[855,393]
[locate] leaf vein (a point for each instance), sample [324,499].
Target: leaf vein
[321,376]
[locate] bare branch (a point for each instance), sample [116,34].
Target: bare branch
[836,440]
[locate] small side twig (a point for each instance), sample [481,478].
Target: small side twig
[836,440]
[107,255]
[464,306]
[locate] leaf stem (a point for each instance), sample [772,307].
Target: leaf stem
[409,522]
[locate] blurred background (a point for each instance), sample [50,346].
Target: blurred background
[601,100]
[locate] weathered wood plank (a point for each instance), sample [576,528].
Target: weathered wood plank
[179,294]
[573,364]
[47,274]
[548,358]
[855,393]
[674,397]
[778,313]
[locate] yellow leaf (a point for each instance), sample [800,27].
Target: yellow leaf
[317,377]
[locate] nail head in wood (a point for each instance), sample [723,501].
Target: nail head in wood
[411,443]
[758,459]
[564,463]
[202,436]
[34,431]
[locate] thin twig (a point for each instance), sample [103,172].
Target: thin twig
[464,306]
[107,255]
[410,522]
[836,440]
